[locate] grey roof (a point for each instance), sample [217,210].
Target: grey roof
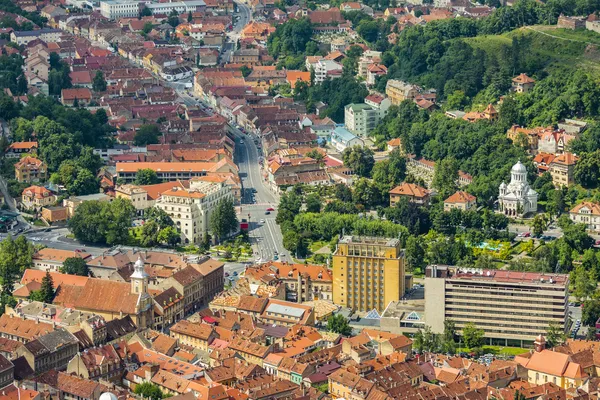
[285,310]
[58,338]
[95,196]
[38,32]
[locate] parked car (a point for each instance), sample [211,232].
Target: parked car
[270,209]
[267,212]
[527,234]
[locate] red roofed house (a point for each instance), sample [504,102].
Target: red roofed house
[587,213]
[373,71]
[414,193]
[81,79]
[522,83]
[30,169]
[460,200]
[16,149]
[81,96]
[36,197]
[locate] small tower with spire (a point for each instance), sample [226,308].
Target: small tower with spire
[139,278]
[139,287]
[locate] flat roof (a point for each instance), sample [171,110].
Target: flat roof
[285,310]
[370,240]
[509,276]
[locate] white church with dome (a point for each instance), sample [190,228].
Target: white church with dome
[517,198]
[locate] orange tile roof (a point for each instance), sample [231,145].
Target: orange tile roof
[184,193]
[29,161]
[38,192]
[23,328]
[187,328]
[166,166]
[286,270]
[566,159]
[523,78]
[410,189]
[50,254]
[77,93]
[551,363]
[34,275]
[460,197]
[23,145]
[593,207]
[294,76]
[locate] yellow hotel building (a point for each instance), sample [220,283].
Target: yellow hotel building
[368,273]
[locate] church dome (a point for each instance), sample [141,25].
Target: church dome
[107,396]
[502,185]
[518,168]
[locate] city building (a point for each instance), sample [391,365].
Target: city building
[511,307]
[368,273]
[173,171]
[562,169]
[36,197]
[51,351]
[30,169]
[341,139]
[360,119]
[552,366]
[460,200]
[398,91]
[191,209]
[303,282]
[22,38]
[587,213]
[414,193]
[379,103]
[327,69]
[181,7]
[517,198]
[49,259]
[115,9]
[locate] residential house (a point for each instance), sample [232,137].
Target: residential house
[562,169]
[398,91]
[587,213]
[327,69]
[102,362]
[49,259]
[342,139]
[76,96]
[522,83]
[36,197]
[460,200]
[555,367]
[196,335]
[414,193]
[30,169]
[375,71]
[18,149]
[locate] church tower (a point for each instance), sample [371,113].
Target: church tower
[139,287]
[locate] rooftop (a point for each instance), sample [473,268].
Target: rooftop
[369,240]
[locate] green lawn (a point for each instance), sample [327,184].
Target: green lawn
[511,351]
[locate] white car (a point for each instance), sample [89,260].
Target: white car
[262,221]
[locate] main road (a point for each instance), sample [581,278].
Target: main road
[257,200]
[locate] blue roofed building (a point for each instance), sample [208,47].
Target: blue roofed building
[341,138]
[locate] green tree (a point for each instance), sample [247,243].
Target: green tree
[295,243]
[149,234]
[415,254]
[99,83]
[146,176]
[472,336]
[426,341]
[449,337]
[47,289]
[587,170]
[313,203]
[147,134]
[359,159]
[149,391]
[289,206]
[102,222]
[75,266]
[159,216]
[555,336]
[84,183]
[342,192]
[445,177]
[15,257]
[339,324]
[145,12]
[223,220]
[245,70]
[591,311]
[169,236]
[538,224]
[583,282]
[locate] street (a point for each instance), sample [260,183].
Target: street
[265,236]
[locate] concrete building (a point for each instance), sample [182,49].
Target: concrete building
[327,69]
[517,198]
[45,34]
[181,7]
[173,171]
[511,307]
[115,9]
[360,119]
[191,208]
[368,273]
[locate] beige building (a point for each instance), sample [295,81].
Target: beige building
[511,307]
[460,200]
[398,91]
[562,169]
[36,197]
[368,273]
[414,193]
[30,169]
[587,213]
[192,208]
[49,259]
[196,335]
[547,366]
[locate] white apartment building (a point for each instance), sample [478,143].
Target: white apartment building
[115,9]
[360,119]
[46,34]
[191,209]
[327,69]
[587,213]
[367,58]
[179,6]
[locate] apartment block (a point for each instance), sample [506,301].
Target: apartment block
[360,119]
[368,273]
[511,307]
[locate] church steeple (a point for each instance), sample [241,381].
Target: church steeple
[139,278]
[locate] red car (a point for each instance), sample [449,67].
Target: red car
[270,209]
